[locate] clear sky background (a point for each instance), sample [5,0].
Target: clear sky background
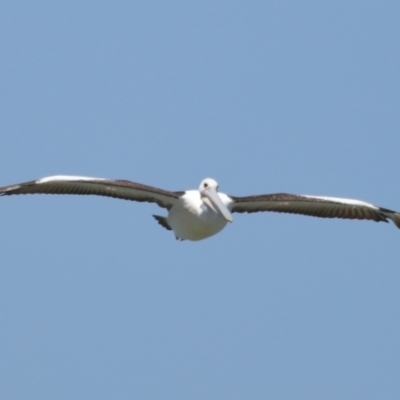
[97,301]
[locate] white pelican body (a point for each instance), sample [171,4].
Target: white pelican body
[192,219]
[198,214]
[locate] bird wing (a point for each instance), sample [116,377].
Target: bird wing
[80,185]
[316,206]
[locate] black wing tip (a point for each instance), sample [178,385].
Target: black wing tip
[396,219]
[9,190]
[390,214]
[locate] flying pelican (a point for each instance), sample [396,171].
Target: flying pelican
[199,214]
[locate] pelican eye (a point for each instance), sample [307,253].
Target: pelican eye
[206,185]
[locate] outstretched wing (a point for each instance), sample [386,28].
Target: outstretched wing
[324,207]
[81,185]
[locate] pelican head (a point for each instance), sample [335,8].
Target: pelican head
[209,194]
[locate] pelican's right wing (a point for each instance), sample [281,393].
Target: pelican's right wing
[81,185]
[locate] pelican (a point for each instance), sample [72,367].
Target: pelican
[199,214]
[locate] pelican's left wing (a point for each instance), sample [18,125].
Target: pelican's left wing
[81,185]
[324,207]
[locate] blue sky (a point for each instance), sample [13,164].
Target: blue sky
[98,301]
